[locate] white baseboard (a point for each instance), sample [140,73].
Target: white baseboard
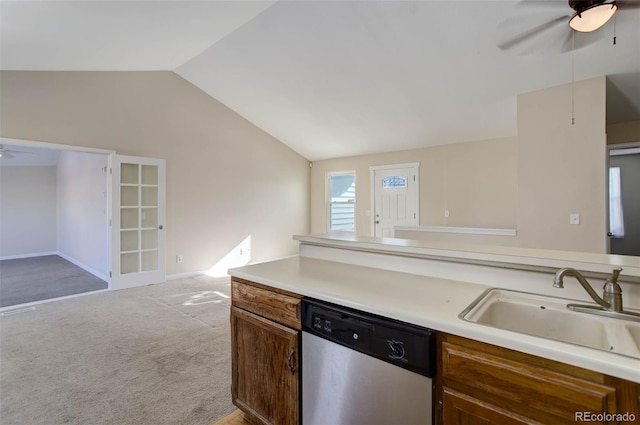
[84,267]
[29,306]
[184,275]
[33,254]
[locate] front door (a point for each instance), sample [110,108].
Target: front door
[137,221]
[395,194]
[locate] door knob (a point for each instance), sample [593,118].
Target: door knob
[377,221]
[161,227]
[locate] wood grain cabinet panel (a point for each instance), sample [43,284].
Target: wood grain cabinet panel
[462,409]
[265,353]
[264,368]
[487,382]
[279,306]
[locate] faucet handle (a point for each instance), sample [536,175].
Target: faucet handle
[612,293]
[615,274]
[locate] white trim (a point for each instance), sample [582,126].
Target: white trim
[66,297]
[184,275]
[47,145]
[84,266]
[34,254]
[623,151]
[467,230]
[391,166]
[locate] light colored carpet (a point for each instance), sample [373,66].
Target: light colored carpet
[158,354]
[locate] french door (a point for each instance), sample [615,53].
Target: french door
[137,221]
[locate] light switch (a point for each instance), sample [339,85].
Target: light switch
[574,218]
[446,213]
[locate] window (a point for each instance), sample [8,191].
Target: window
[394,182]
[616,222]
[342,201]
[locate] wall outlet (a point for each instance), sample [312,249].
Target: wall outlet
[574,218]
[178,258]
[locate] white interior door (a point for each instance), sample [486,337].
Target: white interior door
[395,194]
[137,221]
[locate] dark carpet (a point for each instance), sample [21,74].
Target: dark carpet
[26,280]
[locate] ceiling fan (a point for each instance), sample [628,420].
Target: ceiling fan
[10,153]
[583,16]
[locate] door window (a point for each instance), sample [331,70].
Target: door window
[394,182]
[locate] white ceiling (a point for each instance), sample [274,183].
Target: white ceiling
[338,78]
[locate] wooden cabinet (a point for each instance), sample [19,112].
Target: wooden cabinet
[476,383]
[265,350]
[479,383]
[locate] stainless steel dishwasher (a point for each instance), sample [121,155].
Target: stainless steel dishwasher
[362,369]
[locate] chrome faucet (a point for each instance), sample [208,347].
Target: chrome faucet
[611,301]
[611,296]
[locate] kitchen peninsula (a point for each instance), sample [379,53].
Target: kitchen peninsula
[429,285]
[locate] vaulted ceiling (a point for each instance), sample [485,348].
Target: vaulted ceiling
[339,78]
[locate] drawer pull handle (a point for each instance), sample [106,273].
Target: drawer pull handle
[292,367]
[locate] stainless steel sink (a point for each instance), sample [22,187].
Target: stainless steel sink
[548,317]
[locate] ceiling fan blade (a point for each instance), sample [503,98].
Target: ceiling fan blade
[11,151]
[531,33]
[543,4]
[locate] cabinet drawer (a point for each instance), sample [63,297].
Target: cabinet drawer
[280,307]
[459,409]
[526,389]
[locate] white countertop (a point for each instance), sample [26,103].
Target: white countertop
[422,300]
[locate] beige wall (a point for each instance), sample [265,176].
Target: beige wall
[226,179]
[475,181]
[532,183]
[561,167]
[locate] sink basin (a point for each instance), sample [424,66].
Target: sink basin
[634,331]
[548,317]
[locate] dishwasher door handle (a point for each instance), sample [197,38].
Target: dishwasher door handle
[292,353]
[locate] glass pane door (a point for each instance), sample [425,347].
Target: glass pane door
[137,220]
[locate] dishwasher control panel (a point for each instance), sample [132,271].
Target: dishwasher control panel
[409,346]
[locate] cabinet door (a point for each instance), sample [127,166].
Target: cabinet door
[461,409]
[265,374]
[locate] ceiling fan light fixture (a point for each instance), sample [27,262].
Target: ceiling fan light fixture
[593,17]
